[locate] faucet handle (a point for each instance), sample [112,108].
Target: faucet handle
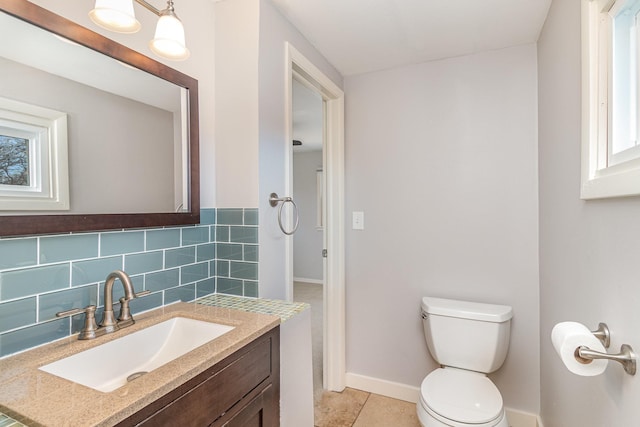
[125,312]
[75,311]
[90,329]
[125,318]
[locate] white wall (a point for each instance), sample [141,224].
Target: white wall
[441,157]
[307,242]
[197,16]
[275,30]
[236,77]
[588,249]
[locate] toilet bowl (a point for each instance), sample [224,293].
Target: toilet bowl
[451,397]
[468,340]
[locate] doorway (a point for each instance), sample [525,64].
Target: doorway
[308,124]
[303,71]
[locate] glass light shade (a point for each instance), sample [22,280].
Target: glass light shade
[115,15]
[169,39]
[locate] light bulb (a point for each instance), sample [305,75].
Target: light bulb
[169,38]
[115,15]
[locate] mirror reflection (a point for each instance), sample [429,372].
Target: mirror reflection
[128,130]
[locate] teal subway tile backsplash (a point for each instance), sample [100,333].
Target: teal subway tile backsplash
[18,313]
[251,253]
[229,251]
[121,242]
[244,270]
[162,239]
[16,253]
[229,286]
[251,217]
[250,289]
[143,262]
[180,256]
[181,293]
[205,287]
[31,281]
[68,247]
[207,216]
[162,280]
[222,268]
[93,271]
[222,233]
[194,272]
[243,234]
[212,268]
[195,235]
[230,217]
[41,275]
[206,252]
[32,336]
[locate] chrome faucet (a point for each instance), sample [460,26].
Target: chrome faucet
[109,323]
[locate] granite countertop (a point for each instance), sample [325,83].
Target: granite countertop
[37,398]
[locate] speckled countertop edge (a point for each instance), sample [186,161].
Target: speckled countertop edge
[37,398]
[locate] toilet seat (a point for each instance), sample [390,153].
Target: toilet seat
[458,397]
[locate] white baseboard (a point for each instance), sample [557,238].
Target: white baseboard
[305,280]
[412,394]
[383,387]
[522,419]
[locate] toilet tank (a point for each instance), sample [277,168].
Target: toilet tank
[467,335]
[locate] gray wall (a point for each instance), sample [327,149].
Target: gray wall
[588,250]
[121,152]
[441,157]
[274,31]
[307,242]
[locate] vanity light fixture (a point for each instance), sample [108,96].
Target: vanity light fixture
[118,16]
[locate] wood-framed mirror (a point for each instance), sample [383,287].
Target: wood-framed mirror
[110,183]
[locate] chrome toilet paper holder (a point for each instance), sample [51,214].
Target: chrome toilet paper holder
[626,357]
[603,334]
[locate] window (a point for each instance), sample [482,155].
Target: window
[611,92]
[14,158]
[33,158]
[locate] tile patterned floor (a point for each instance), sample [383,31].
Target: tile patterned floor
[355,408]
[351,408]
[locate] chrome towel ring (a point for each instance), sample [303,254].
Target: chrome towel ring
[274,200]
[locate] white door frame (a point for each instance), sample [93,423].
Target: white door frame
[334,360]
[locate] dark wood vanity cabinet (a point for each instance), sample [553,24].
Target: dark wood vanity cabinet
[243,390]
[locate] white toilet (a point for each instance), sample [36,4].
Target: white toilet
[469,340]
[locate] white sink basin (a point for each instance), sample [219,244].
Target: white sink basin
[107,366]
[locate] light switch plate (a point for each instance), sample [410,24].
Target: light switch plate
[357,220]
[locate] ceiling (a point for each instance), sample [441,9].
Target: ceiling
[360,36]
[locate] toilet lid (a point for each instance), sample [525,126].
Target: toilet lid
[462,396]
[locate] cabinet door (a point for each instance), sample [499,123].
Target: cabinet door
[259,412]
